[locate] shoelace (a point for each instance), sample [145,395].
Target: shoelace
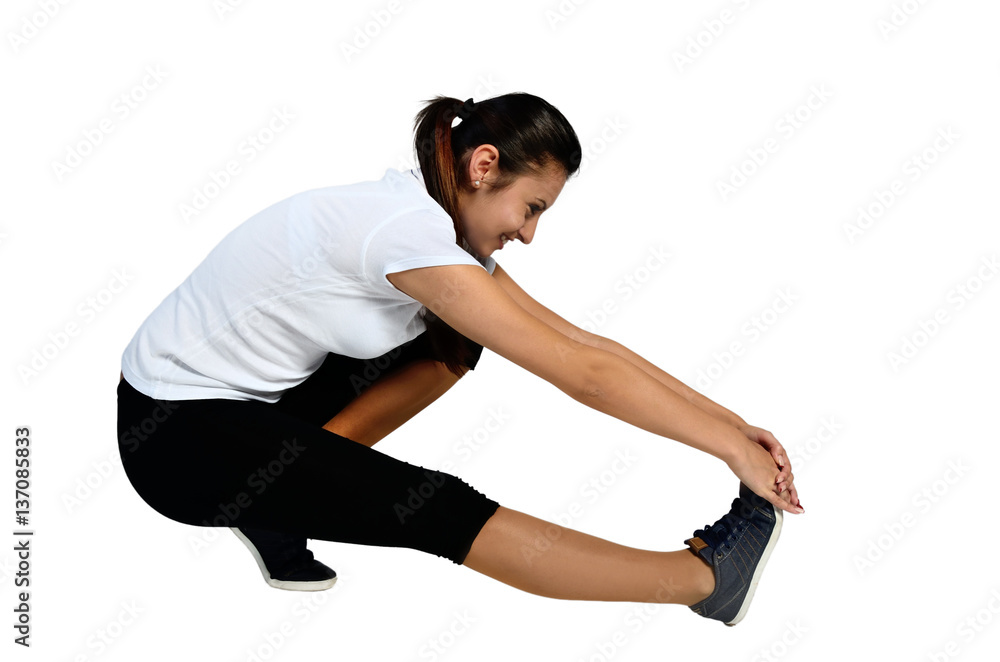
[722,534]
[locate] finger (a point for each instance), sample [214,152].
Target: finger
[765,437]
[794,496]
[778,454]
[791,495]
[784,504]
[766,440]
[787,486]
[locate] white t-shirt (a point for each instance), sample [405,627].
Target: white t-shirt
[302,278]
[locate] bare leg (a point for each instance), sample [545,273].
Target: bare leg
[549,560]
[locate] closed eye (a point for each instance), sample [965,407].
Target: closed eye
[533,209]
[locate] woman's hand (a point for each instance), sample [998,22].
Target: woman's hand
[763,466]
[785,479]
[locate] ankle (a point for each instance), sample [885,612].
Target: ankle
[701,582]
[691,580]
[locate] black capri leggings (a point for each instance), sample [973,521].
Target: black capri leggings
[272,466]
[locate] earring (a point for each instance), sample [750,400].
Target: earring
[475,183]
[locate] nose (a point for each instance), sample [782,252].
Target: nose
[526,233]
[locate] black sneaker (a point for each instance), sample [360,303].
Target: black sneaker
[737,548]
[285,562]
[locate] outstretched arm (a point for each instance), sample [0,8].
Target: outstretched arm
[475,305]
[587,338]
[763,437]
[715,410]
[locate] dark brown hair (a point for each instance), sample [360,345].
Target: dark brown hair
[529,133]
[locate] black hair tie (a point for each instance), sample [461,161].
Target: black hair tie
[467,109]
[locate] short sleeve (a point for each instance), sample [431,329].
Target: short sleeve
[411,240]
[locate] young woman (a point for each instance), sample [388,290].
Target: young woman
[251,396]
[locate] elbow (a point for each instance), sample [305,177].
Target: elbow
[593,376]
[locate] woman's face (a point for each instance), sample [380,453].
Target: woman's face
[490,217]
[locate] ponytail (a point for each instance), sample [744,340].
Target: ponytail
[432,140]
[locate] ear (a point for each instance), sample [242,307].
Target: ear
[482,163]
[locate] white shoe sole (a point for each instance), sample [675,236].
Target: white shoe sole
[320,585]
[759,570]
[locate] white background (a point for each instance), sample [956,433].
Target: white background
[897,546]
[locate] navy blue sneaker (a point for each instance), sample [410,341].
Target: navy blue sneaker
[737,548]
[284,560]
